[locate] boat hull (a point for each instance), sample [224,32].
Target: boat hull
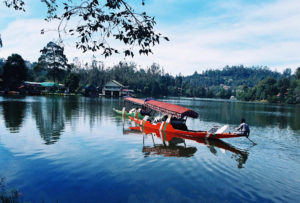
[169,136]
[164,127]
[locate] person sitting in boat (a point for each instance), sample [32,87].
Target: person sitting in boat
[133,110]
[157,119]
[178,124]
[243,128]
[145,112]
[164,118]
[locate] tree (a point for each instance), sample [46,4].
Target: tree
[298,73]
[287,72]
[72,82]
[283,85]
[2,63]
[54,59]
[99,21]
[14,71]
[1,44]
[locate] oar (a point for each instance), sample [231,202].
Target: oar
[251,141]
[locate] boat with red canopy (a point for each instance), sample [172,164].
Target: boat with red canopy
[174,121]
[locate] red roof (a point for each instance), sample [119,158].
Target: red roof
[134,100]
[170,109]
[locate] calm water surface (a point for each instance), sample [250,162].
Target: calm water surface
[75,149]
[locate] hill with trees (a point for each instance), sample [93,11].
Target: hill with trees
[232,76]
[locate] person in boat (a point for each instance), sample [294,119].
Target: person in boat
[134,110]
[178,124]
[145,112]
[243,128]
[158,119]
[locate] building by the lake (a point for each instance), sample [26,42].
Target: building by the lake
[115,89]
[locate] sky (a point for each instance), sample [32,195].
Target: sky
[203,34]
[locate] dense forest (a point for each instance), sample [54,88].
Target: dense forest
[243,83]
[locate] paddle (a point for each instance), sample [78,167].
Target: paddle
[251,141]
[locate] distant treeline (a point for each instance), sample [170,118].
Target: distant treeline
[243,83]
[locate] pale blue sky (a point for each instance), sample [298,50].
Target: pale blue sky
[203,34]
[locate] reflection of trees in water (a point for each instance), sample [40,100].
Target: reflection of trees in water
[282,116]
[13,113]
[50,118]
[52,113]
[257,114]
[294,121]
[8,196]
[92,109]
[71,106]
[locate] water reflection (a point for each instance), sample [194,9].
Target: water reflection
[52,114]
[50,119]
[175,146]
[71,106]
[92,110]
[238,155]
[13,113]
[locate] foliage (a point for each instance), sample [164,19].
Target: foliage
[53,59]
[14,72]
[38,73]
[2,63]
[72,82]
[298,73]
[283,90]
[99,21]
[1,44]
[232,76]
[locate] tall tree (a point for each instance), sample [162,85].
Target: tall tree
[287,72]
[99,21]
[2,63]
[298,73]
[14,71]
[54,59]
[1,44]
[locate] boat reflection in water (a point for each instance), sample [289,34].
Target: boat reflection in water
[170,149]
[173,145]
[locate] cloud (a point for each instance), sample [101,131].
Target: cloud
[251,34]
[24,37]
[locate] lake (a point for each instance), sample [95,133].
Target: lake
[76,149]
